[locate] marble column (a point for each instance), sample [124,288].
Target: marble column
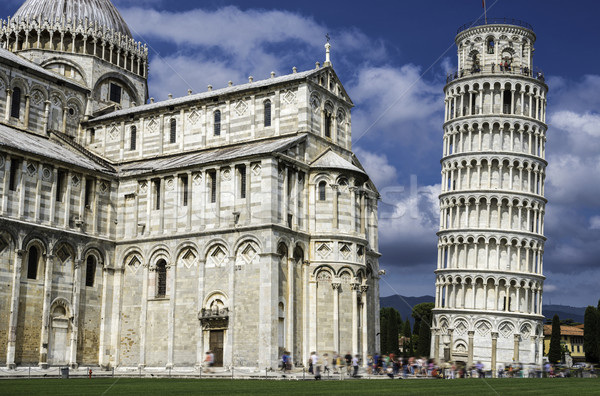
[336,315]
[43,363]
[14,308]
[494,350]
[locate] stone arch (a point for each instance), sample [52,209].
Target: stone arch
[247,252]
[187,255]
[48,63]
[60,327]
[120,78]
[217,255]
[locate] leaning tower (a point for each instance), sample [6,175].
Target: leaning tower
[489,276]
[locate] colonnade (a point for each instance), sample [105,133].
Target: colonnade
[469,138]
[488,174]
[492,213]
[524,296]
[110,46]
[491,254]
[480,99]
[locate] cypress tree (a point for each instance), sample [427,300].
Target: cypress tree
[424,338]
[390,321]
[406,347]
[383,328]
[591,329]
[555,351]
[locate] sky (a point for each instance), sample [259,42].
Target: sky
[391,57]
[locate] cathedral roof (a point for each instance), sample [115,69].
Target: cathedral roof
[213,93]
[213,155]
[100,12]
[25,64]
[44,147]
[331,160]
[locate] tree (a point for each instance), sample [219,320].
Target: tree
[424,345]
[407,349]
[555,352]
[422,314]
[591,329]
[390,325]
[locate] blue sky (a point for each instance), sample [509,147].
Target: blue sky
[392,57]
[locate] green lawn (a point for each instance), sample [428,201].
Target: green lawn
[136,386]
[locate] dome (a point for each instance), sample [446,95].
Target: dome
[102,12]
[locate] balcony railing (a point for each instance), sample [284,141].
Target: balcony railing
[207,314]
[496,69]
[495,21]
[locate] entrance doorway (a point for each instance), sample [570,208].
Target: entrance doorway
[216,346]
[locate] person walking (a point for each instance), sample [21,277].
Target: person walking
[348,359]
[326,364]
[355,366]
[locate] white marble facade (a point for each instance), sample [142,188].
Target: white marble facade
[489,275]
[134,235]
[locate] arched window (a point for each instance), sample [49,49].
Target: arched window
[32,262]
[490,45]
[322,194]
[161,278]
[90,271]
[328,121]
[173,134]
[133,143]
[15,105]
[267,113]
[217,122]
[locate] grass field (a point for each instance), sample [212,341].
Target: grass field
[136,386]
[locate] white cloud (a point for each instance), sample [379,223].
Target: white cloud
[595,223]
[381,172]
[392,96]
[587,123]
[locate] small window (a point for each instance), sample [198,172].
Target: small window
[161,278]
[322,194]
[184,190]
[267,113]
[90,271]
[32,263]
[213,186]
[115,93]
[133,140]
[60,184]
[12,177]
[328,121]
[89,191]
[157,194]
[15,105]
[92,135]
[217,122]
[173,134]
[242,180]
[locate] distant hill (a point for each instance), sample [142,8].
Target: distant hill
[404,306]
[564,312]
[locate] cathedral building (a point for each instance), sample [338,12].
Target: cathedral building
[489,276]
[136,233]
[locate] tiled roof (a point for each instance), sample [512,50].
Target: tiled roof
[36,68]
[331,160]
[44,147]
[564,330]
[208,94]
[185,160]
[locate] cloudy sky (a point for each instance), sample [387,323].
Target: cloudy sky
[392,58]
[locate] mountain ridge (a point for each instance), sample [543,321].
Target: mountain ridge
[404,304]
